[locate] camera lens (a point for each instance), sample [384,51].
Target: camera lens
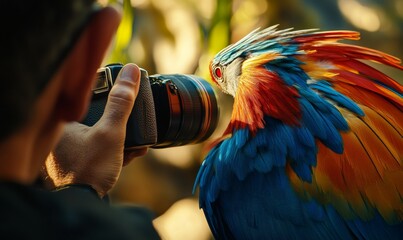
[186,109]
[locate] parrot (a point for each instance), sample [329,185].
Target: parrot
[313,148]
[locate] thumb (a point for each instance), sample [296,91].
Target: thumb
[121,99]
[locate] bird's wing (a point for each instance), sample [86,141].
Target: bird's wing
[366,177]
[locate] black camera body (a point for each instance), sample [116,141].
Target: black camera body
[170,110]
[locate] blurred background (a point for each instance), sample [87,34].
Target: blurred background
[182,36]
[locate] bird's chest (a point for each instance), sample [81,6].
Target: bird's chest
[261,204]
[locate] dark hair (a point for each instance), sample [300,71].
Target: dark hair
[36,37]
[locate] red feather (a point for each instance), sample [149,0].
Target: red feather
[345,57]
[368,176]
[327,36]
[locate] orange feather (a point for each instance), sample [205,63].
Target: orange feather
[327,36]
[367,177]
[261,92]
[380,104]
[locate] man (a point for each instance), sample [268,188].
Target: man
[50,53]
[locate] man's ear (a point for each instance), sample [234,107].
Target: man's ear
[79,68]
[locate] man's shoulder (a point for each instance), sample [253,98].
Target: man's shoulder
[68,215]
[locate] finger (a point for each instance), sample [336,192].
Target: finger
[121,99]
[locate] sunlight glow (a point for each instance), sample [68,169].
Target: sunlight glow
[181,157]
[247,15]
[359,15]
[137,3]
[138,49]
[206,8]
[178,56]
[102,2]
[184,220]
[399,7]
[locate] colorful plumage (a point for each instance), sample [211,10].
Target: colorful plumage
[314,146]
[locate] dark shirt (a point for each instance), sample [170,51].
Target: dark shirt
[71,213]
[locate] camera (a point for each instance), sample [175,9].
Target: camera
[170,110]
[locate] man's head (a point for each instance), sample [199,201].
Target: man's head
[37,36]
[50,53]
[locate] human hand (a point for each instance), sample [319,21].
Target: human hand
[95,155]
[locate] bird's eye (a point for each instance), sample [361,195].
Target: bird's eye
[218,73]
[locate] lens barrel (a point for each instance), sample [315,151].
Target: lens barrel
[186,109]
[170,110]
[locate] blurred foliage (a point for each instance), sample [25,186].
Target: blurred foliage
[123,35]
[182,36]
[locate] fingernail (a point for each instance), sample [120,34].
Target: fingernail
[127,72]
[130,71]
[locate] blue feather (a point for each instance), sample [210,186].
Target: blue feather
[313,210]
[310,156]
[264,162]
[336,221]
[213,190]
[284,66]
[198,177]
[320,125]
[235,209]
[260,139]
[249,150]
[317,101]
[240,165]
[206,174]
[337,97]
[337,119]
[311,119]
[333,138]
[226,150]
[376,228]
[240,136]
[224,173]
[303,171]
[305,137]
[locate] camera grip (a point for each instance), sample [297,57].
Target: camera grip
[141,128]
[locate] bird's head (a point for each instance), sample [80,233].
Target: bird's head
[255,50]
[227,76]
[251,70]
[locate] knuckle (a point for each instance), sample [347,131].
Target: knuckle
[118,107]
[122,95]
[115,117]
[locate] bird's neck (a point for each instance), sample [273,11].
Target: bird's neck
[262,93]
